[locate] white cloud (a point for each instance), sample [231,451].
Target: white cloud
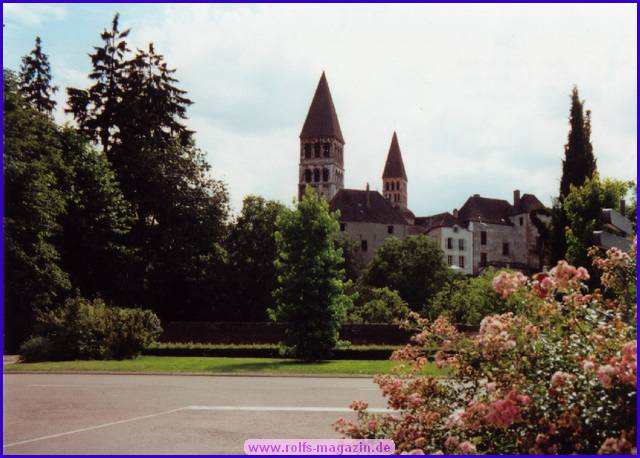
[31,14]
[479,94]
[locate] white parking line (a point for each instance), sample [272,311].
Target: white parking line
[209,408]
[91,428]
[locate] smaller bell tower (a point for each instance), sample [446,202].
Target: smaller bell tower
[394,178]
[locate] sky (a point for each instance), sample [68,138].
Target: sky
[478,94]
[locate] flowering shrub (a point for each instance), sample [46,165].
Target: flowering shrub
[557,377]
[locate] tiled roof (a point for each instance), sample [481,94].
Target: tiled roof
[322,120]
[440,220]
[353,207]
[394,167]
[495,211]
[527,203]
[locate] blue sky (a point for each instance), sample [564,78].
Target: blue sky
[479,94]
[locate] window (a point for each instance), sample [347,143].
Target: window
[483,238]
[325,174]
[505,249]
[316,149]
[398,186]
[307,176]
[343,227]
[461,262]
[483,259]
[386,186]
[461,244]
[449,243]
[521,221]
[307,150]
[363,245]
[455,229]
[326,148]
[389,229]
[316,175]
[450,260]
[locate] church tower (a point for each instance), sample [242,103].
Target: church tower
[321,146]
[394,178]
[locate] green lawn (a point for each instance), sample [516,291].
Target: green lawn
[220,365]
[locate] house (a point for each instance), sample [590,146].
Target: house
[484,232]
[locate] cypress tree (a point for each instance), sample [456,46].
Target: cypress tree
[579,162]
[578,165]
[35,80]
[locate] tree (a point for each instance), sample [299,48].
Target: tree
[583,206]
[251,248]
[310,295]
[379,305]
[467,300]
[136,112]
[413,266]
[578,164]
[98,109]
[33,205]
[96,223]
[35,80]
[353,261]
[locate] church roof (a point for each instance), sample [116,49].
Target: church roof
[394,167]
[527,203]
[322,120]
[353,207]
[495,211]
[434,221]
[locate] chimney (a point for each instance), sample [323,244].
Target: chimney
[368,197]
[516,197]
[455,212]
[476,195]
[623,207]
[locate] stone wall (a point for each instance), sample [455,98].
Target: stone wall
[374,234]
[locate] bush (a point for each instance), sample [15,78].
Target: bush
[467,300]
[559,377]
[36,349]
[85,329]
[378,305]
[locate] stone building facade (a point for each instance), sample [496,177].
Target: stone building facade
[484,232]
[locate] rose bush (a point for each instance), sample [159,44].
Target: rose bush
[558,376]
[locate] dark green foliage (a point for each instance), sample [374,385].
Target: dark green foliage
[579,162]
[467,300]
[353,262]
[378,305]
[136,112]
[413,266]
[583,207]
[310,295]
[36,349]
[33,205]
[95,224]
[251,248]
[84,329]
[35,80]
[360,352]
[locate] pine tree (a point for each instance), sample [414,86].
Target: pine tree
[35,80]
[98,108]
[137,113]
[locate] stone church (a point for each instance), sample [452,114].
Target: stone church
[484,232]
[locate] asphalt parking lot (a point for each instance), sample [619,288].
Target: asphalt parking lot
[170,414]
